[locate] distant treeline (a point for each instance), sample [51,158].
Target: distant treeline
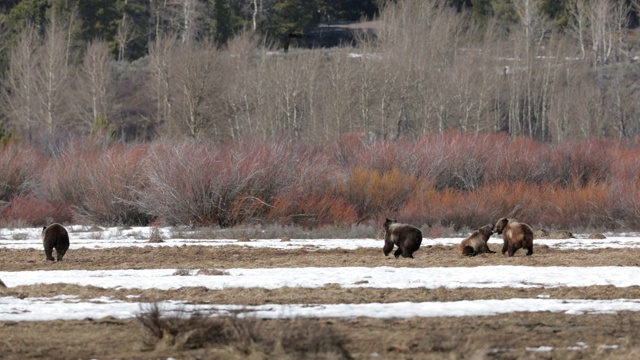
[134,70]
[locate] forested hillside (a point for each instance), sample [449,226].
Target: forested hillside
[135,112]
[217,70]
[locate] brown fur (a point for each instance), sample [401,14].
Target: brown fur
[476,243]
[407,237]
[55,236]
[515,234]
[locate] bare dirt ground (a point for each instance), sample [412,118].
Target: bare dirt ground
[515,336]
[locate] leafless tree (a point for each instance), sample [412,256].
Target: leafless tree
[238,95]
[95,86]
[39,79]
[19,85]
[257,9]
[196,76]
[52,77]
[124,34]
[337,95]
[288,79]
[579,22]
[159,64]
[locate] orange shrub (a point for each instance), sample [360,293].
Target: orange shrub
[372,193]
[313,211]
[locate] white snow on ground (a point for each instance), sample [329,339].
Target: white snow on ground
[311,277]
[39,309]
[83,237]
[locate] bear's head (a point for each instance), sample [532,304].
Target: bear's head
[500,225]
[486,231]
[388,223]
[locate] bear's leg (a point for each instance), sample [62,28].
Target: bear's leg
[484,248]
[529,250]
[511,249]
[397,253]
[48,251]
[517,246]
[469,251]
[388,247]
[60,253]
[407,253]
[505,247]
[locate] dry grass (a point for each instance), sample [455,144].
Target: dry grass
[205,257]
[510,336]
[295,339]
[329,294]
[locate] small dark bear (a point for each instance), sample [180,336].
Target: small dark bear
[55,236]
[476,243]
[407,237]
[515,234]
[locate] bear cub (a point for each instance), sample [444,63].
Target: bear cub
[406,237]
[476,243]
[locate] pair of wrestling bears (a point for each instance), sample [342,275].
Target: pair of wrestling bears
[408,238]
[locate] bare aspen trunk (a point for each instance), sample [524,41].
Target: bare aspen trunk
[122,35]
[256,10]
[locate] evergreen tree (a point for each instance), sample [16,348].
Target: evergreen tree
[27,13]
[294,16]
[223,22]
[100,19]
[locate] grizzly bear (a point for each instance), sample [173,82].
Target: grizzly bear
[408,239]
[55,236]
[476,243]
[515,234]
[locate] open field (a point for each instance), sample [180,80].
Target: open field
[524,313]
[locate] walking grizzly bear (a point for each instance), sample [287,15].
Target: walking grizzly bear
[407,237]
[515,234]
[476,243]
[55,236]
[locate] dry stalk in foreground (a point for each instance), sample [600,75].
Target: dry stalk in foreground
[297,338]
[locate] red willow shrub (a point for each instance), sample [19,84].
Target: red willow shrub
[310,198]
[448,179]
[32,211]
[256,172]
[180,184]
[102,185]
[226,185]
[20,170]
